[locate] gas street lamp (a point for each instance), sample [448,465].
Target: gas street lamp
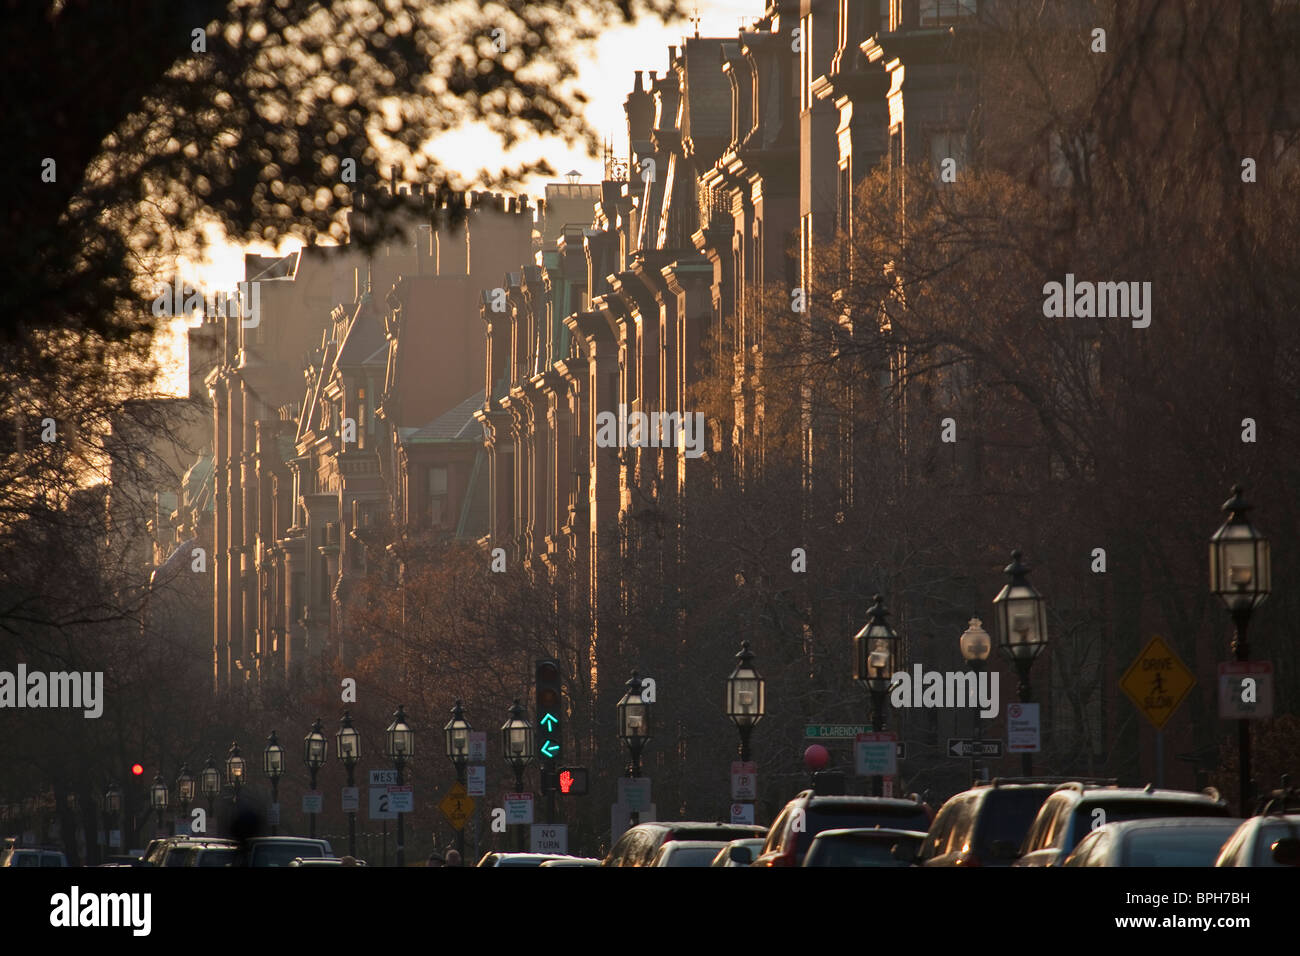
[347,742]
[456,737]
[875,655]
[517,745]
[210,785]
[746,697]
[976,645]
[112,809]
[634,727]
[273,766]
[400,740]
[235,771]
[1021,615]
[314,748]
[158,797]
[1241,574]
[185,793]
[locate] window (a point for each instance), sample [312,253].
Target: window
[947,144]
[942,13]
[437,496]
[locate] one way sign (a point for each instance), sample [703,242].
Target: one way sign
[965,747]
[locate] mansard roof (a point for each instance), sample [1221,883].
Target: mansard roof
[458,424]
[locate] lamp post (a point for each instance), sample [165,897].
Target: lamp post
[1241,575]
[314,750]
[112,810]
[975,646]
[746,697]
[456,736]
[235,773]
[875,652]
[348,744]
[158,797]
[634,728]
[400,739]
[517,745]
[185,793]
[210,784]
[1022,631]
[273,766]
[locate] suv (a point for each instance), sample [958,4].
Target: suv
[280,850]
[808,814]
[984,826]
[638,846]
[1073,810]
[33,856]
[199,852]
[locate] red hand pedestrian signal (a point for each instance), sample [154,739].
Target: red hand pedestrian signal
[566,781]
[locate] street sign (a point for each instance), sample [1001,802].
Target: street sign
[519,808]
[1246,690]
[550,838]
[1157,682]
[744,780]
[966,747]
[742,813]
[888,789]
[620,818]
[634,792]
[379,805]
[401,799]
[383,778]
[842,731]
[272,815]
[876,755]
[476,780]
[1023,728]
[457,806]
[312,801]
[351,799]
[477,746]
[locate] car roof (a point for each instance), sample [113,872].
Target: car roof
[1165,823]
[694,844]
[813,801]
[864,833]
[1140,793]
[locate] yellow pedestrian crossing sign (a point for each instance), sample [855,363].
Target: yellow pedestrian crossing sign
[457,806]
[1157,682]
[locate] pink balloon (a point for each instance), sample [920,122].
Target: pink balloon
[816,757]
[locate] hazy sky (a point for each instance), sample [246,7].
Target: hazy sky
[606,78]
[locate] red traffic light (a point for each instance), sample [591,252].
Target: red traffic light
[136,769]
[566,781]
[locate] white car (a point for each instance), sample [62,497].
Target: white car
[1272,840]
[687,852]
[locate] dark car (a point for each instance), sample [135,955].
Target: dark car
[281,850]
[1073,811]
[808,815]
[986,825]
[877,846]
[1180,841]
[638,846]
[186,852]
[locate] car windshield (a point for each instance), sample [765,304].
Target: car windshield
[1007,816]
[523,861]
[1118,811]
[282,854]
[692,855]
[1176,846]
[853,851]
[847,816]
[718,835]
[25,859]
[216,857]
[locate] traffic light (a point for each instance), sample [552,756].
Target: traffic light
[573,781]
[550,711]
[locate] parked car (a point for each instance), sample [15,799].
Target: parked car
[985,825]
[808,815]
[280,850]
[739,852]
[32,856]
[187,852]
[1073,810]
[1263,841]
[519,859]
[688,852]
[573,861]
[874,846]
[638,846]
[1177,841]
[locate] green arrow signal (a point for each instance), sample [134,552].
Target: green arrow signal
[554,748]
[551,718]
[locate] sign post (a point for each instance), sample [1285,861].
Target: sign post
[1156,682]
